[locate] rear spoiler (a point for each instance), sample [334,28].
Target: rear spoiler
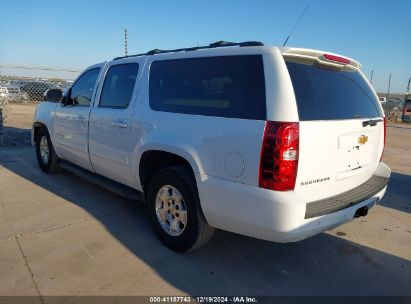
[320,58]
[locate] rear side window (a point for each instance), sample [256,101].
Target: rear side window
[118,86]
[229,86]
[324,94]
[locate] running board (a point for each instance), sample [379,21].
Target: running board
[103,182]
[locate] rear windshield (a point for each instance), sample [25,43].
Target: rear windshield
[324,94]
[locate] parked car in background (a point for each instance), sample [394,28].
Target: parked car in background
[382,100]
[270,142]
[406,111]
[3,97]
[18,83]
[394,104]
[35,89]
[12,94]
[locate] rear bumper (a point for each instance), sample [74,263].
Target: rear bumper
[271,215]
[347,199]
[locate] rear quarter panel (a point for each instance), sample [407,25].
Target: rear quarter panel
[227,148]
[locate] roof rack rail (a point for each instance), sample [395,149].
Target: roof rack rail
[217,44]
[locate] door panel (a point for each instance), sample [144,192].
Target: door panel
[70,134]
[111,143]
[70,122]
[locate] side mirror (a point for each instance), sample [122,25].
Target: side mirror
[54,95]
[66,97]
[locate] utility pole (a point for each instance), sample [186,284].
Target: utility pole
[388,92]
[372,74]
[125,42]
[389,86]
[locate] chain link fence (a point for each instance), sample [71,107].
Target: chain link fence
[19,96]
[394,107]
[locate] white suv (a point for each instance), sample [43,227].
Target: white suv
[274,143]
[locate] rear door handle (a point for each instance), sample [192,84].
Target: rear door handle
[82,118]
[119,124]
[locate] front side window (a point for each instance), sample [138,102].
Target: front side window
[82,90]
[226,86]
[118,86]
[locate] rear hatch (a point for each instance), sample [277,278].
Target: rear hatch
[341,124]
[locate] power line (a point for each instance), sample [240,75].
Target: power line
[38,68]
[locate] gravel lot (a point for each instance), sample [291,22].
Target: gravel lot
[17,123]
[60,235]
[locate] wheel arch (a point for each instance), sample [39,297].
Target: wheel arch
[37,125]
[154,158]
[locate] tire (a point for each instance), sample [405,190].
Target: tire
[49,164]
[196,232]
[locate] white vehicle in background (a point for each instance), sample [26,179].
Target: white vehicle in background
[274,143]
[10,93]
[383,100]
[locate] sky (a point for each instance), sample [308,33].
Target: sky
[75,34]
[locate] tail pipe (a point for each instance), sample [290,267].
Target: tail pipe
[363,211]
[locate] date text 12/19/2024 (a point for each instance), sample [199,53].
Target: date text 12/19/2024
[207,299]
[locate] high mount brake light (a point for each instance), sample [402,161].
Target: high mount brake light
[279,156]
[337,58]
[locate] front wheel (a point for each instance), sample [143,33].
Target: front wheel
[46,156]
[175,211]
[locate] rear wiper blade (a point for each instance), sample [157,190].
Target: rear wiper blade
[371,122]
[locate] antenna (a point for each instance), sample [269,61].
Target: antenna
[295,25]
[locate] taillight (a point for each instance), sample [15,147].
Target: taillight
[385,137]
[279,156]
[337,58]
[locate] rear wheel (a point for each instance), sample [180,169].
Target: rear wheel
[175,212]
[46,156]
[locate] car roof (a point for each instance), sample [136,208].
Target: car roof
[221,48]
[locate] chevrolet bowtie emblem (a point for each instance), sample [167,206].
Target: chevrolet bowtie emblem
[362,139]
